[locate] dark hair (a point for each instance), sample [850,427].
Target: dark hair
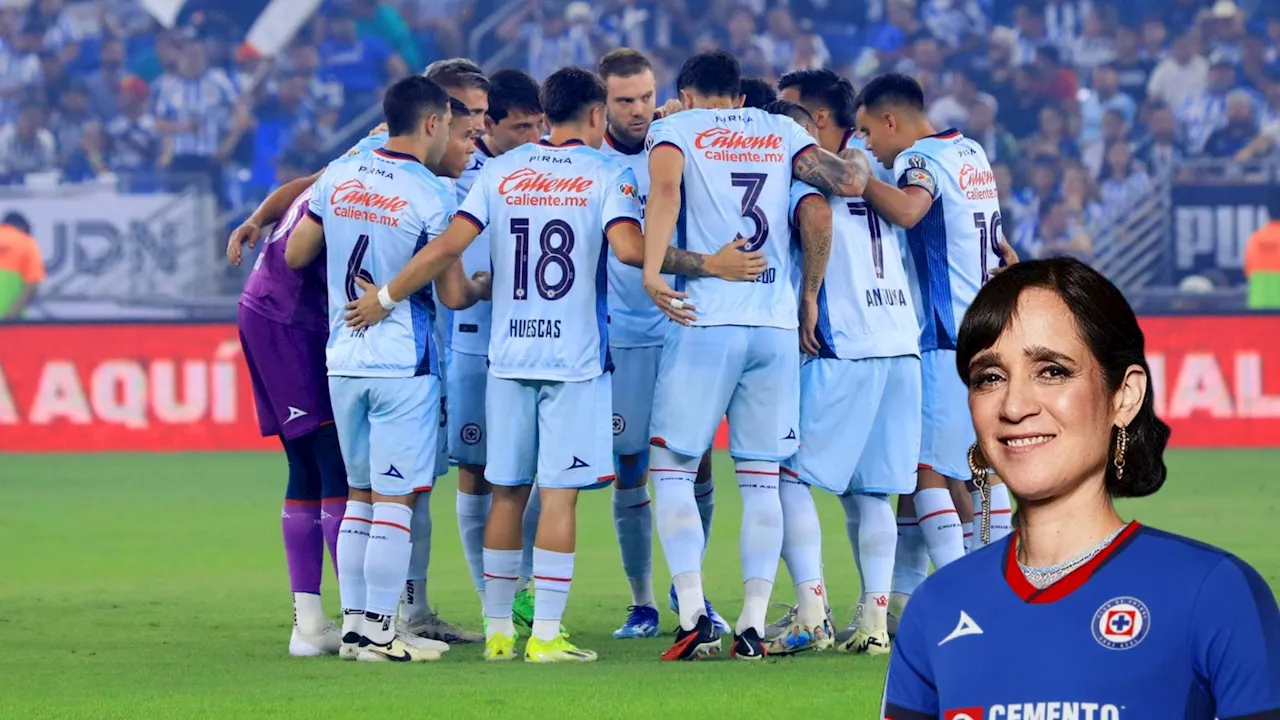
[714,74]
[826,88]
[623,62]
[1108,327]
[408,100]
[789,109]
[568,94]
[892,89]
[16,220]
[1049,53]
[756,92]
[458,107]
[458,74]
[512,91]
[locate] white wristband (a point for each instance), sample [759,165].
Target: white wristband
[384,297]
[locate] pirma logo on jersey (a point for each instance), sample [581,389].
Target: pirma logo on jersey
[976,183]
[725,145]
[1056,710]
[527,186]
[353,199]
[1121,623]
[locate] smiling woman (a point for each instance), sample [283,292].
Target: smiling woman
[1107,619]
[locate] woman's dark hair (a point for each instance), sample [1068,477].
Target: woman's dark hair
[1107,325]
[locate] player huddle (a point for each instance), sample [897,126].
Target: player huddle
[612,291]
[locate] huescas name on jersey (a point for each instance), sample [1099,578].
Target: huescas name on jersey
[725,145]
[529,187]
[1056,710]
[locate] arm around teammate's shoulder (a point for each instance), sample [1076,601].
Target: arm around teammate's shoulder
[845,175]
[1236,642]
[904,207]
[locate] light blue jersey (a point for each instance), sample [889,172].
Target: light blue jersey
[378,208]
[955,246]
[550,207]
[470,328]
[737,183]
[634,321]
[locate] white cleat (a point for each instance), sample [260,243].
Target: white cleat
[396,651]
[434,627]
[869,642]
[326,642]
[422,643]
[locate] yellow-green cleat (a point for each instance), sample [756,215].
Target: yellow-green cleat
[500,647]
[522,611]
[558,650]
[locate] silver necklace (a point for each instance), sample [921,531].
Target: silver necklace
[1042,577]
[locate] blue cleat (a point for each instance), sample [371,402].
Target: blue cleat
[642,622]
[721,624]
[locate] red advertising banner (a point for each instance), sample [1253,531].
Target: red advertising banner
[161,387]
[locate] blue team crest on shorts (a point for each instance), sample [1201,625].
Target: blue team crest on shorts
[619,424]
[1121,623]
[471,434]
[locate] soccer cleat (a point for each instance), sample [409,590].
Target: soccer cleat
[775,629]
[500,647]
[747,646]
[798,638]
[423,643]
[522,611]
[350,646]
[398,650]
[642,622]
[848,631]
[434,627]
[702,641]
[326,642]
[553,651]
[892,624]
[869,642]
[722,625]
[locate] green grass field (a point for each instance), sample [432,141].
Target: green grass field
[154,586]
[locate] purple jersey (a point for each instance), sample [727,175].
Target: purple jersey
[297,298]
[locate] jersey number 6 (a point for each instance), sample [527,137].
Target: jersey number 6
[354,270]
[752,184]
[556,243]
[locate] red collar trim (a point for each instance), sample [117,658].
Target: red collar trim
[1073,581]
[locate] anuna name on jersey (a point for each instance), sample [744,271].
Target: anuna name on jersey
[378,208]
[634,321]
[737,183]
[956,245]
[551,207]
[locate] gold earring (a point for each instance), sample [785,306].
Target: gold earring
[978,468]
[1122,444]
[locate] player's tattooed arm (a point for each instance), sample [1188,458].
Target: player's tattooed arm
[814,218]
[845,174]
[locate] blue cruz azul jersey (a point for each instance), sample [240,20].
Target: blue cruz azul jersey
[547,209]
[634,321]
[737,183]
[1156,627]
[378,208]
[956,245]
[865,307]
[469,329]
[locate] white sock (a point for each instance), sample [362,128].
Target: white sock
[633,523]
[380,629]
[679,527]
[911,561]
[501,569]
[850,504]
[353,541]
[940,524]
[755,605]
[552,576]
[705,495]
[308,613]
[528,533]
[966,529]
[413,601]
[760,543]
[386,559]
[472,512]
[1001,511]
[802,549]
[877,544]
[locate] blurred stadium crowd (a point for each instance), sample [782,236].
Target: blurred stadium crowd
[1081,104]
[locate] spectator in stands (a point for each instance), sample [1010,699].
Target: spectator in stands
[952,110]
[1055,235]
[1054,80]
[1052,137]
[104,83]
[1020,109]
[1032,37]
[981,126]
[1065,20]
[362,65]
[1133,71]
[960,25]
[1123,182]
[743,39]
[779,39]
[1105,95]
[323,93]
[810,52]
[1180,76]
[551,41]
[88,160]
[1163,151]
[21,268]
[1257,72]
[1081,195]
[1096,45]
[1223,29]
[1240,130]
[19,66]
[69,118]
[438,25]
[1004,193]
[133,134]
[890,38]
[194,109]
[1041,188]
[1268,139]
[53,78]
[380,20]
[26,145]
[994,72]
[1206,111]
[1183,14]
[925,63]
[1155,35]
[1114,130]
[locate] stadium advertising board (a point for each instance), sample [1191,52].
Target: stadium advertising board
[1211,225]
[164,387]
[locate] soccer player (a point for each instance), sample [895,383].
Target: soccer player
[372,210]
[860,394]
[757,93]
[735,348]
[283,330]
[944,196]
[636,329]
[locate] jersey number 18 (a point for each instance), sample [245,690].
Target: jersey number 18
[556,243]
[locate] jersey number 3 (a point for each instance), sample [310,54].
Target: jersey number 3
[354,270]
[556,244]
[752,184]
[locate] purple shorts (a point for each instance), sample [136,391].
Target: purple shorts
[290,383]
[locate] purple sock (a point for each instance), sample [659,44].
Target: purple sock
[331,512]
[303,544]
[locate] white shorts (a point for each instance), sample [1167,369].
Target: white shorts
[467,376]
[946,426]
[750,373]
[635,373]
[558,431]
[388,431]
[860,420]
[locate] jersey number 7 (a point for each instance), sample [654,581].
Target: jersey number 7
[857,207]
[556,243]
